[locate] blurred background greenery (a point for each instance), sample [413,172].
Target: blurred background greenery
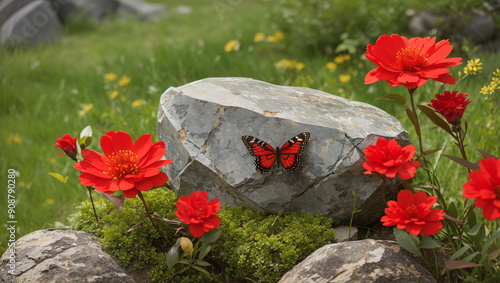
[49,91]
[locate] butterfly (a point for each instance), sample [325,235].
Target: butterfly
[288,154]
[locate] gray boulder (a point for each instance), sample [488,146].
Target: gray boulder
[360,261]
[91,9]
[60,256]
[202,124]
[144,11]
[66,9]
[35,23]
[10,7]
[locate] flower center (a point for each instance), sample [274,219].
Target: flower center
[200,212]
[122,162]
[497,191]
[410,58]
[412,211]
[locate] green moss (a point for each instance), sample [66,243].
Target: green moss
[251,247]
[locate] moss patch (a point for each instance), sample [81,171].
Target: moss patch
[251,247]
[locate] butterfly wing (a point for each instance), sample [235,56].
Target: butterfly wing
[290,152]
[263,152]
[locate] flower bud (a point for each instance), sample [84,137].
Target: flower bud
[186,246]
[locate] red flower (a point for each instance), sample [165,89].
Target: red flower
[484,186]
[450,105]
[388,158]
[414,213]
[410,62]
[198,212]
[68,145]
[125,165]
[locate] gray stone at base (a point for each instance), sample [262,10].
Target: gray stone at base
[360,261]
[59,256]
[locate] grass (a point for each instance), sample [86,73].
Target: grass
[42,91]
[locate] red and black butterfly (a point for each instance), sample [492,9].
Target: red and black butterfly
[266,154]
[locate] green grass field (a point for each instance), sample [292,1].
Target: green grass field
[44,90]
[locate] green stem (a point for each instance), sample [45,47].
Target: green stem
[151,218]
[92,201]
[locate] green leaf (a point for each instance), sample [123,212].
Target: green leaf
[474,230]
[59,177]
[490,241]
[428,243]
[394,98]
[210,236]
[460,252]
[200,269]
[452,210]
[173,255]
[405,241]
[471,218]
[435,118]
[204,251]
[184,261]
[413,120]
[203,263]
[471,256]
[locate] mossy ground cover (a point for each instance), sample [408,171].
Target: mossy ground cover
[251,247]
[57,89]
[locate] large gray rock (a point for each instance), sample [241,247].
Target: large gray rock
[10,7]
[360,261]
[144,11]
[93,9]
[66,9]
[35,23]
[202,124]
[60,256]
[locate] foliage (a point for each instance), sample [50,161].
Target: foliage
[263,248]
[250,246]
[340,25]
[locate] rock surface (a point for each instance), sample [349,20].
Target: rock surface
[202,124]
[31,25]
[360,261]
[61,256]
[145,11]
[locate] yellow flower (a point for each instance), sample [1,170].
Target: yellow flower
[331,66]
[186,246]
[137,103]
[124,81]
[16,138]
[279,35]
[276,37]
[50,201]
[496,73]
[109,77]
[113,94]
[284,64]
[85,108]
[299,66]
[341,58]
[473,67]
[289,64]
[487,89]
[344,78]
[259,37]
[232,45]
